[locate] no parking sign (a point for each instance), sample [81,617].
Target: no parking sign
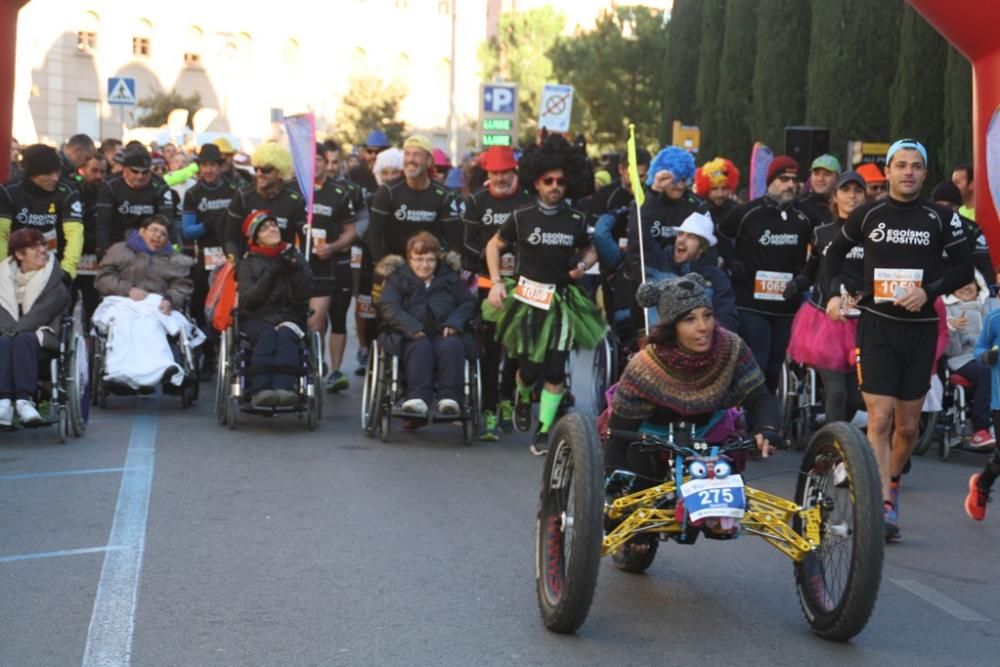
[556,107]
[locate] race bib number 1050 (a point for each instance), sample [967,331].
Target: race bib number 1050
[892,284]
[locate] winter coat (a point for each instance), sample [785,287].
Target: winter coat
[274,290]
[46,300]
[961,346]
[408,306]
[122,268]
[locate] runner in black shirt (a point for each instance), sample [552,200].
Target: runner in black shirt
[413,204]
[948,195]
[770,238]
[126,200]
[92,175]
[544,316]
[46,202]
[330,259]
[363,175]
[485,212]
[822,180]
[903,237]
[608,208]
[205,208]
[273,165]
[717,182]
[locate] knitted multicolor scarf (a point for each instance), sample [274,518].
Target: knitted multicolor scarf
[688,384]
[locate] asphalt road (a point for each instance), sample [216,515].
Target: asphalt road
[164,538]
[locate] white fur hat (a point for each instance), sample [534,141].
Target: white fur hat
[701,225]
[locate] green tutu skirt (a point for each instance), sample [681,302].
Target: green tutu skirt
[573,320]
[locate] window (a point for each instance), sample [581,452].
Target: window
[193,47]
[86,36]
[141,38]
[290,52]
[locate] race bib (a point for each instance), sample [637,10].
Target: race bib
[366,310]
[770,285]
[507,265]
[623,244]
[213,257]
[51,240]
[319,239]
[705,498]
[356,253]
[536,295]
[87,265]
[891,284]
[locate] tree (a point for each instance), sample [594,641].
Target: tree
[518,54]
[368,105]
[852,62]
[616,73]
[681,65]
[956,144]
[713,29]
[160,104]
[916,100]
[779,73]
[733,98]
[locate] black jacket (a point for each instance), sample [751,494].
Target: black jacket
[274,290]
[408,306]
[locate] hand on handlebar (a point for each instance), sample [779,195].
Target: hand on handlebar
[764,445]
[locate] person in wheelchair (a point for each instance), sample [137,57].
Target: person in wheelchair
[146,270]
[33,298]
[424,310]
[274,283]
[690,370]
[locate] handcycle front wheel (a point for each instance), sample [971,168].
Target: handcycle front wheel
[569,527]
[838,582]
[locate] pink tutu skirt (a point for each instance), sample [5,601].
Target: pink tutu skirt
[822,343]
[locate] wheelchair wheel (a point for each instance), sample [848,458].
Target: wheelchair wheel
[838,582]
[222,379]
[601,372]
[315,404]
[369,394]
[312,412]
[944,446]
[569,527]
[232,413]
[928,431]
[77,387]
[470,423]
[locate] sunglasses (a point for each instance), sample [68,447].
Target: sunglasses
[553,180]
[267,169]
[877,187]
[138,172]
[787,178]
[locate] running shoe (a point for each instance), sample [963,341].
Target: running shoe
[490,432]
[891,522]
[983,440]
[540,444]
[975,502]
[522,414]
[336,381]
[505,415]
[362,361]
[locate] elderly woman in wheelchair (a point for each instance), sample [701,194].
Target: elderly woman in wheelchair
[143,281]
[424,310]
[33,299]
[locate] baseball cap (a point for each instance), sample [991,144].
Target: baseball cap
[826,161]
[851,177]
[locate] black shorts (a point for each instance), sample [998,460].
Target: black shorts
[332,280]
[897,358]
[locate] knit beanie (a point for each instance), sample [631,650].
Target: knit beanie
[780,165]
[252,222]
[674,297]
[39,159]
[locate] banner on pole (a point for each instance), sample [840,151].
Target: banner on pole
[638,188]
[301,131]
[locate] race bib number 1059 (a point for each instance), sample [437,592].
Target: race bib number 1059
[892,284]
[537,295]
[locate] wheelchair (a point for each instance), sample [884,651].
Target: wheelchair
[63,396]
[383,390]
[801,397]
[101,389]
[951,426]
[235,366]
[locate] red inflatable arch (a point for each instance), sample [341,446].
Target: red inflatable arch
[8,49]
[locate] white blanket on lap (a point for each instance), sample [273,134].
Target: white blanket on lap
[138,353]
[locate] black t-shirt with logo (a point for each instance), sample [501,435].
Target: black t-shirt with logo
[121,208]
[771,245]
[546,241]
[398,212]
[27,205]
[332,209]
[287,206]
[853,271]
[363,177]
[210,203]
[484,214]
[903,242]
[661,216]
[609,199]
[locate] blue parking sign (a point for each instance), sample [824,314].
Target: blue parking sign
[499,99]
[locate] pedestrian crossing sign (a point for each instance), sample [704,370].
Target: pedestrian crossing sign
[121,91]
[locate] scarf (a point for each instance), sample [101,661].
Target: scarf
[265,251]
[688,384]
[137,243]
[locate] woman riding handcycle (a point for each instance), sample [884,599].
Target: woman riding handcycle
[671,469]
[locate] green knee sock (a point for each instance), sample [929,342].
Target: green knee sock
[547,407]
[523,391]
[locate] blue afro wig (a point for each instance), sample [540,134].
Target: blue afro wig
[675,160]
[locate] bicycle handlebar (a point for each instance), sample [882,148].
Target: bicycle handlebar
[656,442]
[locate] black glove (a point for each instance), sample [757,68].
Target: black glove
[990,356]
[67,280]
[290,260]
[792,293]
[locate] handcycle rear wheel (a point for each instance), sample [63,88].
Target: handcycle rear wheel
[838,582]
[569,527]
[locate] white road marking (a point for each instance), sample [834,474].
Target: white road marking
[940,600]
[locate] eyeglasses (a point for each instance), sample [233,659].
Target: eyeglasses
[156,230]
[787,178]
[553,180]
[266,169]
[373,151]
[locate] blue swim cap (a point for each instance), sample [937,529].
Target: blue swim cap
[909,144]
[377,139]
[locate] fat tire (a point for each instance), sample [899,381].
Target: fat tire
[573,469]
[842,442]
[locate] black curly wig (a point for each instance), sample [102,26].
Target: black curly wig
[554,152]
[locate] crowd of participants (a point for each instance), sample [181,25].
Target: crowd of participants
[519,258]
